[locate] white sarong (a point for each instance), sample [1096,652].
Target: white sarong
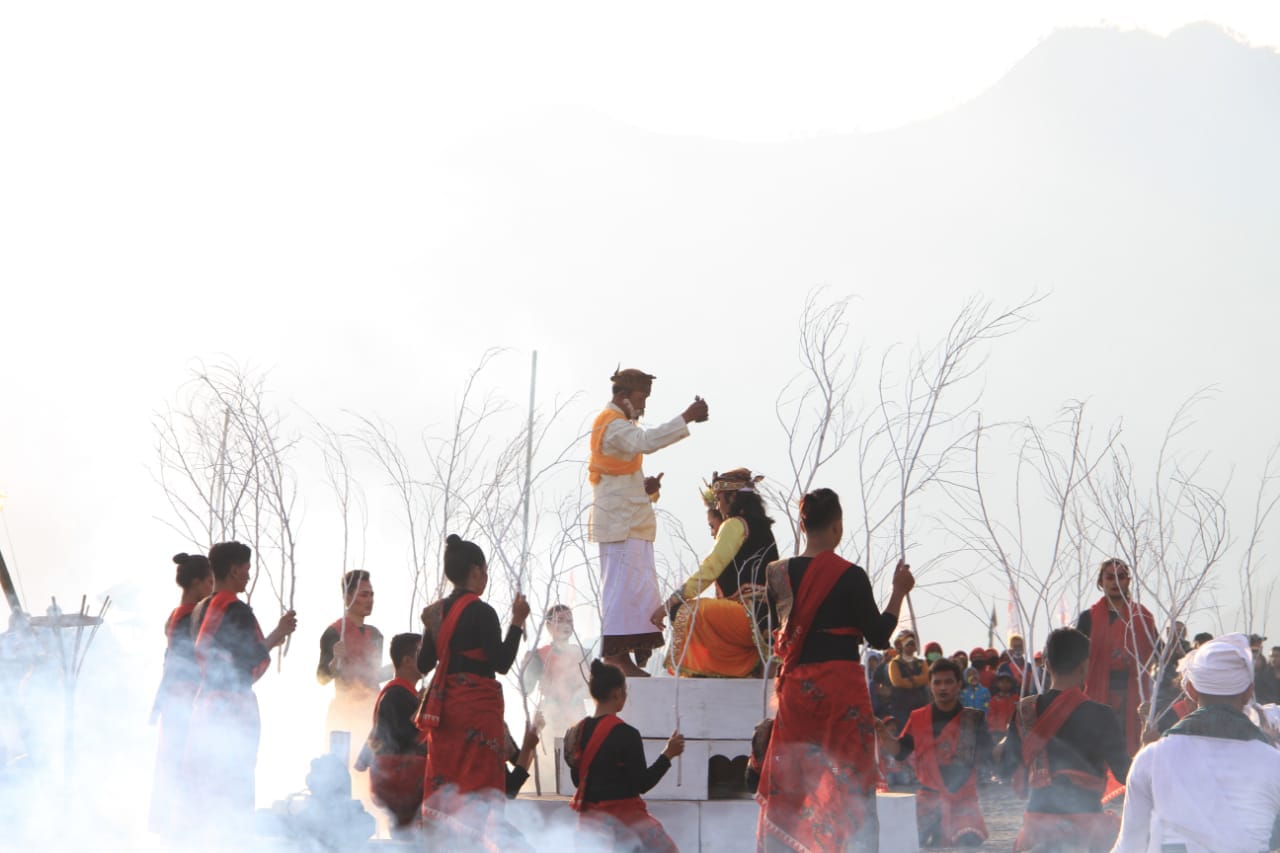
[630,582]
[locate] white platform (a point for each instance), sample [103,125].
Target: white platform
[710,708]
[718,826]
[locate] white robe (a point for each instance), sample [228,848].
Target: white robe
[1211,794]
[620,509]
[623,522]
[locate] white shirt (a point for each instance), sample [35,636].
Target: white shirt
[619,508]
[1212,794]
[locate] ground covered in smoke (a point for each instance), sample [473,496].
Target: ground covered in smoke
[1001,809]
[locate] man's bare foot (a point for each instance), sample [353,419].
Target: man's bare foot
[628,667]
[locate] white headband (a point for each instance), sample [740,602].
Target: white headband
[1221,667]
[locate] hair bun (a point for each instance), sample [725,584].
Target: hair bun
[452,539]
[179,559]
[598,666]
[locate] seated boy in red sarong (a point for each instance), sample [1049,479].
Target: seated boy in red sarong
[399,749]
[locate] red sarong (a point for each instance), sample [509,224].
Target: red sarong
[1125,644]
[396,783]
[957,813]
[1095,831]
[395,780]
[630,824]
[626,821]
[818,783]
[465,782]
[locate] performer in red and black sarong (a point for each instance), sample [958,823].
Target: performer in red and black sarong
[1059,746]
[1122,637]
[606,761]
[818,781]
[399,749]
[222,750]
[946,743]
[462,712]
[176,697]
[351,657]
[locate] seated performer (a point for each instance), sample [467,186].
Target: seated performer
[399,749]
[727,635]
[463,793]
[946,743]
[1122,636]
[818,780]
[232,654]
[606,761]
[622,520]
[351,657]
[177,693]
[1059,746]
[1213,782]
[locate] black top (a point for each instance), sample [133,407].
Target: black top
[394,732]
[955,774]
[619,771]
[750,566]
[1089,741]
[367,673]
[851,604]
[477,629]
[1119,680]
[236,650]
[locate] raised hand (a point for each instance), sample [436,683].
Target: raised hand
[675,745]
[903,580]
[519,610]
[697,411]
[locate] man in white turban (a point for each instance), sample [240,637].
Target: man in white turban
[1212,783]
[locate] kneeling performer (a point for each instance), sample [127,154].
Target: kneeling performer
[399,749]
[607,764]
[946,743]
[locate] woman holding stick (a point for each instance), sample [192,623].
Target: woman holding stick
[818,779]
[606,761]
[463,792]
[177,693]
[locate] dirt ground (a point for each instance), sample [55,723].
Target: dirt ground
[1002,811]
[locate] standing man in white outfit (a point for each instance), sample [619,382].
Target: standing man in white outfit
[622,520]
[1212,783]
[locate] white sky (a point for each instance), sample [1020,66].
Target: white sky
[182,180]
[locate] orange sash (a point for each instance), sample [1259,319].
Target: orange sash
[959,810]
[601,464]
[607,724]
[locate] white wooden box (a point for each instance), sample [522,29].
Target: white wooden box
[710,708]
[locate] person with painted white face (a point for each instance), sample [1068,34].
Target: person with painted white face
[1212,783]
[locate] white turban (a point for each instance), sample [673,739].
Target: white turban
[1221,667]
